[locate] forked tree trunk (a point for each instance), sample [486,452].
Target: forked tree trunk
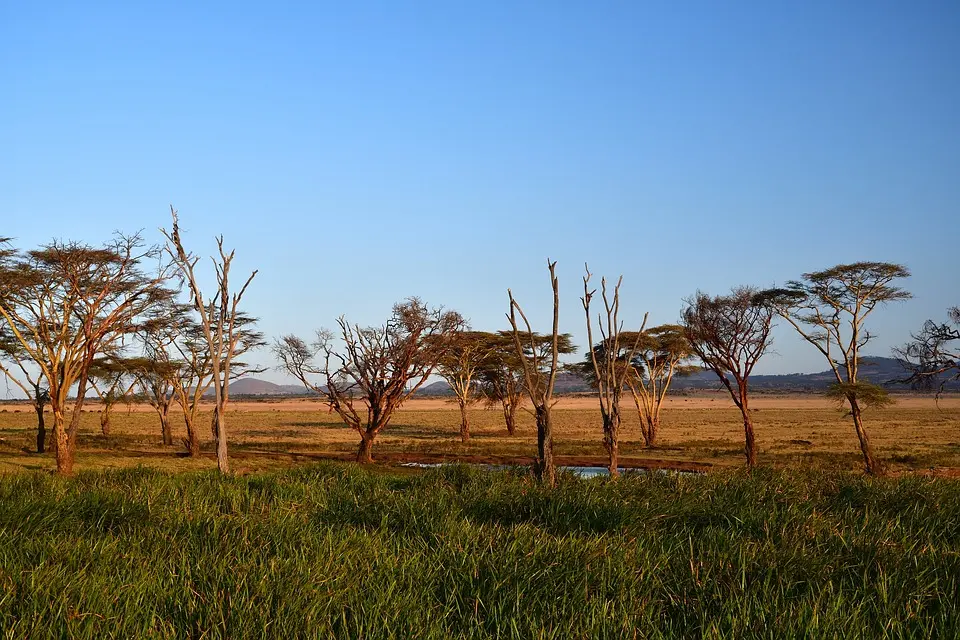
[611,440]
[545,469]
[873,466]
[105,422]
[650,430]
[41,428]
[464,421]
[365,453]
[648,424]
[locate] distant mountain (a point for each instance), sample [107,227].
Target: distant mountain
[440,388]
[255,387]
[876,369]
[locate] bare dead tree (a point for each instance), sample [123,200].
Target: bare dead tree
[66,303]
[610,367]
[932,357]
[540,374]
[218,320]
[466,354]
[828,309]
[377,369]
[730,334]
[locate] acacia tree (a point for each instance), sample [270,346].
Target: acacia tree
[540,374]
[112,380]
[501,378]
[376,369]
[465,355]
[662,353]
[932,357]
[192,376]
[219,322]
[730,334]
[152,377]
[610,372]
[829,309]
[66,303]
[13,356]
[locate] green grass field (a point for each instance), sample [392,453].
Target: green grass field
[334,551]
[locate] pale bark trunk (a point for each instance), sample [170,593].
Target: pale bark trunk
[223,463]
[464,421]
[62,447]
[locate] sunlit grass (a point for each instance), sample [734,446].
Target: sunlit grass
[792,431]
[333,550]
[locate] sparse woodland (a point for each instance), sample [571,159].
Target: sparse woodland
[130,322]
[349,550]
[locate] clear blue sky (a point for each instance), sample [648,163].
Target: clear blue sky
[361,152]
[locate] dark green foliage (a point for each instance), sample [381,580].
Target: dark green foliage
[332,551]
[867,394]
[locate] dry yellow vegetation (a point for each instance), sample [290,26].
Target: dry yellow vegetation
[913,435]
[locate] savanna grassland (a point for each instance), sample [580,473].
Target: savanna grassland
[144,542]
[335,550]
[700,431]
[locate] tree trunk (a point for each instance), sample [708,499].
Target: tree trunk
[464,421]
[41,428]
[510,416]
[165,431]
[873,466]
[611,441]
[649,427]
[750,446]
[740,399]
[223,463]
[545,469]
[749,443]
[62,447]
[105,422]
[365,453]
[193,438]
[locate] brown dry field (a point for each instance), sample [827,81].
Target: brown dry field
[703,431]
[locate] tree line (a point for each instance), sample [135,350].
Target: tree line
[126,318]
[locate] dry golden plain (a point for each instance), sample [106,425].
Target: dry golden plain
[698,431]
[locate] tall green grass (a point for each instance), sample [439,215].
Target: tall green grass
[337,551]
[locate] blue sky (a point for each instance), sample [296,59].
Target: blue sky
[359,153]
